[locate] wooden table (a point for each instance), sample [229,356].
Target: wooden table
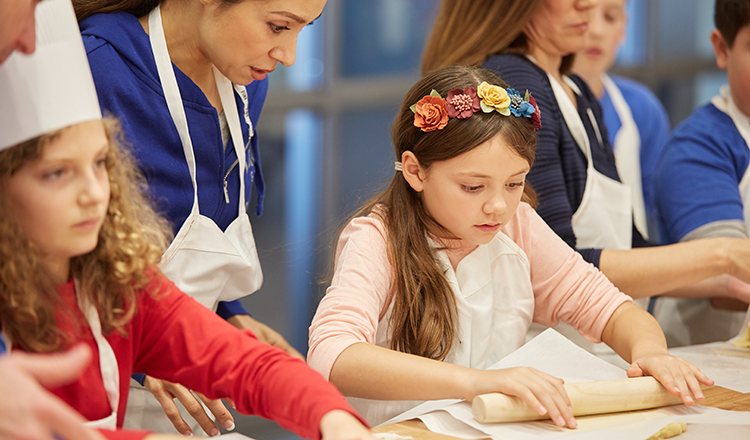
[716,397]
[724,398]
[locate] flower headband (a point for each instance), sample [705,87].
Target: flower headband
[432,112]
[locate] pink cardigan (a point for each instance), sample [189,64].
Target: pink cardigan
[566,288]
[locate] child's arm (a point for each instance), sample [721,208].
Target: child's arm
[636,336]
[345,327]
[177,339]
[372,372]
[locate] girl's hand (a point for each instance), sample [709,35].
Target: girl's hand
[677,375]
[340,425]
[542,392]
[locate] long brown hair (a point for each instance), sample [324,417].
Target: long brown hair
[467,32]
[139,8]
[131,241]
[423,321]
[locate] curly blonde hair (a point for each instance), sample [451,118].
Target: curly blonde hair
[131,241]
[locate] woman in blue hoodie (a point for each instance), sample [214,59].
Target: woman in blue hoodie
[187,79]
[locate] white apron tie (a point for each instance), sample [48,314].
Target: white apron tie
[627,150]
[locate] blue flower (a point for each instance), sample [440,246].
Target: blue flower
[518,106]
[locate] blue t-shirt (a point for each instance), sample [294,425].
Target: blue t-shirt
[698,174]
[653,127]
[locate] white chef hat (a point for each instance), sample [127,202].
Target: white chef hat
[51,88]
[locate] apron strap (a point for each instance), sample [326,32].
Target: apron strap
[172,93]
[177,110]
[572,118]
[107,358]
[226,94]
[627,150]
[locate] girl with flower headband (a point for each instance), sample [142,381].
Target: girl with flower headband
[440,276]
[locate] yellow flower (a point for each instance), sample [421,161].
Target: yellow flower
[493,98]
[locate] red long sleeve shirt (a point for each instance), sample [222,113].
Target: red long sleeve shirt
[172,337]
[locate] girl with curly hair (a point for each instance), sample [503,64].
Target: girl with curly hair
[79,247]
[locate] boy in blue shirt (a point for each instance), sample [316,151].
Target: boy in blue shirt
[702,187]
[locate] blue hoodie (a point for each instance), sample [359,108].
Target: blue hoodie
[128,85]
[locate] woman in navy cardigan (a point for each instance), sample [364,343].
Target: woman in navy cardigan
[531,44]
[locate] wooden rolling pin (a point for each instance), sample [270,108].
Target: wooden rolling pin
[587,398]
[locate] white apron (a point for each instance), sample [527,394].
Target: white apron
[205,262]
[627,150]
[690,321]
[604,219]
[495,303]
[107,363]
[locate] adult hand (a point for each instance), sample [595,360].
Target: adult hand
[677,375]
[264,333]
[738,257]
[541,391]
[739,292]
[28,411]
[165,393]
[340,425]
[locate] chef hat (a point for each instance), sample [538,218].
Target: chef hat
[51,88]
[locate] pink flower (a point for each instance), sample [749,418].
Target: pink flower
[462,103]
[536,117]
[430,113]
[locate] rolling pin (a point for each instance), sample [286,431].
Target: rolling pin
[587,398]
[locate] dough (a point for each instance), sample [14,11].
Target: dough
[744,341]
[672,430]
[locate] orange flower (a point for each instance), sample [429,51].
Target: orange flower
[430,113]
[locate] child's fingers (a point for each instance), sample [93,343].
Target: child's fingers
[702,378]
[559,411]
[678,376]
[551,396]
[672,379]
[634,371]
[682,386]
[695,387]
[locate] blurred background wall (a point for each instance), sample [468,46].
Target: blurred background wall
[325,131]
